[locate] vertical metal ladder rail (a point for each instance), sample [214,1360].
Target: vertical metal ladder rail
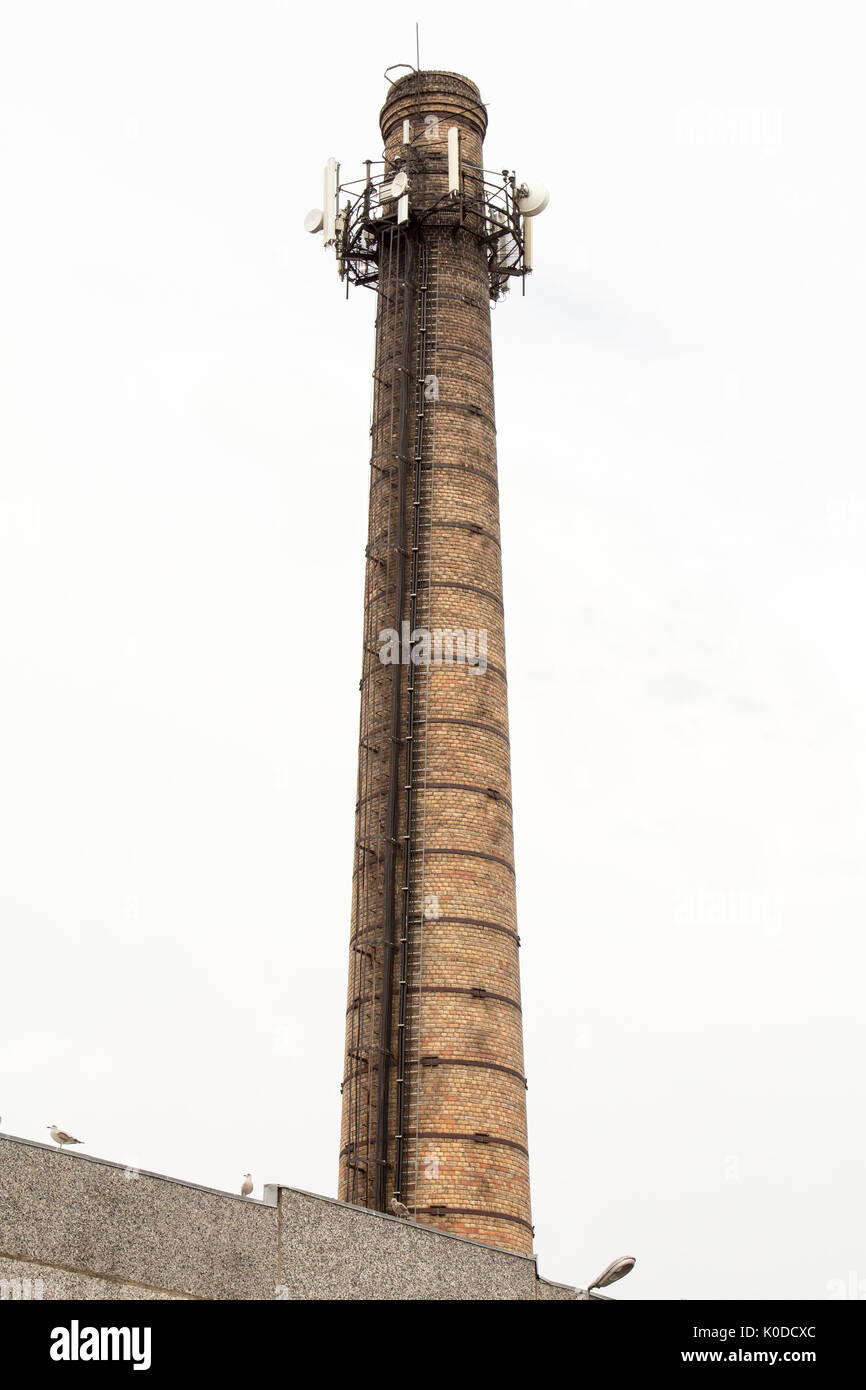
[412,935]
[406,266]
[385,544]
[414,679]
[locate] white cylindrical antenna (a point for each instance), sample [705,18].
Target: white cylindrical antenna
[329,201]
[407,133]
[454,161]
[527,243]
[314,220]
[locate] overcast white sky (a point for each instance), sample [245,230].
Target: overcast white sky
[183,484]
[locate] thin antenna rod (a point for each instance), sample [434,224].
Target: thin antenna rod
[417,47]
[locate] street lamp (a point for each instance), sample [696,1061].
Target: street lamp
[617,1270]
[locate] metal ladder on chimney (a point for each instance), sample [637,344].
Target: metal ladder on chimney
[411,996]
[379,752]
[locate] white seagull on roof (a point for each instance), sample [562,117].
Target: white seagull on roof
[246,1185]
[61,1137]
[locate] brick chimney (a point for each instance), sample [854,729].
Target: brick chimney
[434,1093]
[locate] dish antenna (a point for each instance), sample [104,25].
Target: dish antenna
[395,189]
[532,198]
[314,220]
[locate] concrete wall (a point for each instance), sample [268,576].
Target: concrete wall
[77,1227]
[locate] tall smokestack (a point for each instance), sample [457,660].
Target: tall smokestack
[434,1093]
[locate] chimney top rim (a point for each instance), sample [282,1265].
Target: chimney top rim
[435,72]
[430,84]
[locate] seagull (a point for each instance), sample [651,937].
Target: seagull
[246,1185]
[400,1209]
[61,1137]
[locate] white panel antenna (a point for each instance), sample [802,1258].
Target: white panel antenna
[329,200]
[527,243]
[454,161]
[499,223]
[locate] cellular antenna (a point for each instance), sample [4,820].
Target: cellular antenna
[357,217]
